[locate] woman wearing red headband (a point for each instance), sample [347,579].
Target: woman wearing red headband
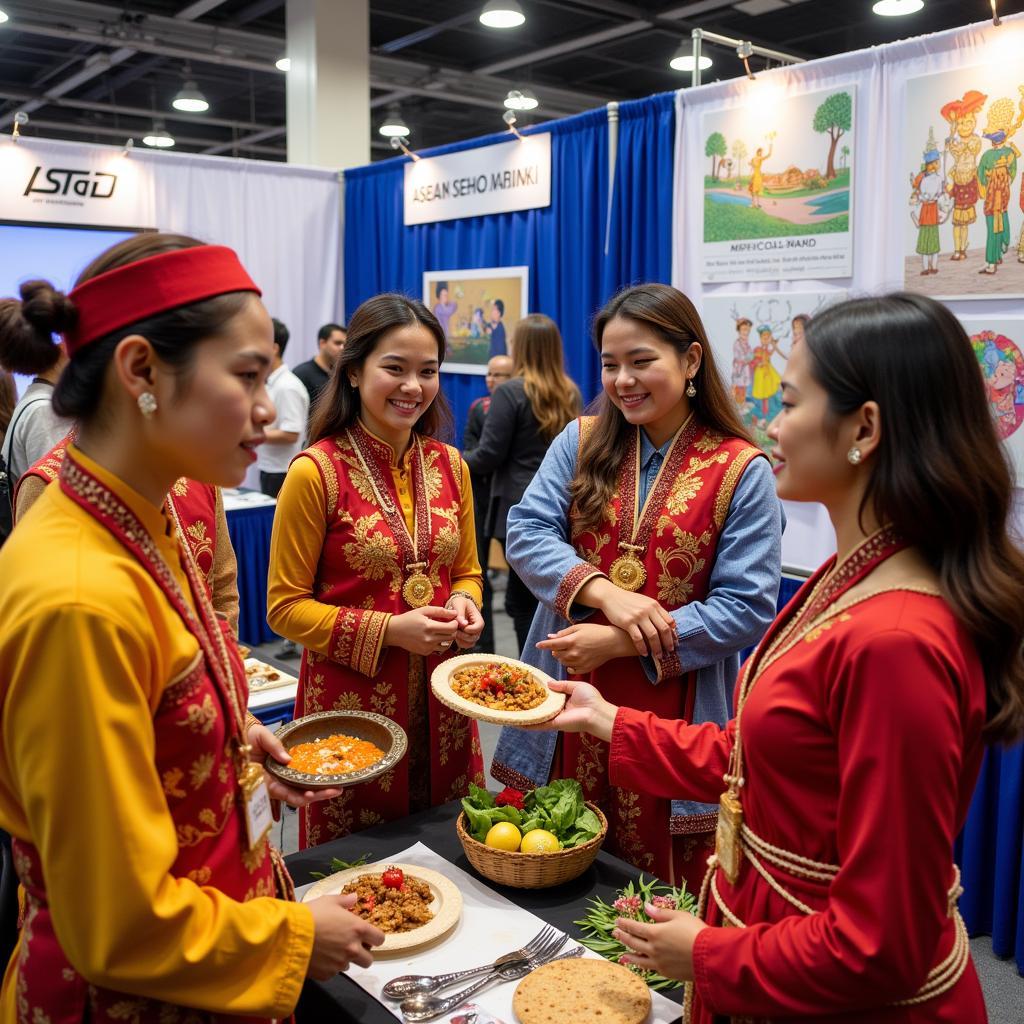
[129,785]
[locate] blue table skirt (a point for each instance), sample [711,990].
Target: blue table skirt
[250,529]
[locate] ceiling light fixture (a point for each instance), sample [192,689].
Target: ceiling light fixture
[190,99]
[393,126]
[502,14]
[682,59]
[20,119]
[996,20]
[3,16]
[284,64]
[509,117]
[521,99]
[397,143]
[159,137]
[897,8]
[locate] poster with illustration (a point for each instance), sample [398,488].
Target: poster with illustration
[478,311]
[999,346]
[751,337]
[960,170]
[778,196]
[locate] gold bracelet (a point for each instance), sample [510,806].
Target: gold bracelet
[462,593]
[250,721]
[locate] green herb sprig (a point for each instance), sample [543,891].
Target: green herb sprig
[599,922]
[341,865]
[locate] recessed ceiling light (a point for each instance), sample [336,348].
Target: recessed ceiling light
[393,126]
[502,14]
[521,99]
[897,8]
[190,99]
[159,138]
[284,64]
[3,16]
[683,59]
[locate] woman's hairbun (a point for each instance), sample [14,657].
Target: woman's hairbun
[27,327]
[48,310]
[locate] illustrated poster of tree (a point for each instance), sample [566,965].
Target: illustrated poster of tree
[778,195]
[961,171]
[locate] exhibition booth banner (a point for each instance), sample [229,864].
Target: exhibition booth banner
[81,185]
[510,176]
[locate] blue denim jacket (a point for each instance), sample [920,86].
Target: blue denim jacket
[740,603]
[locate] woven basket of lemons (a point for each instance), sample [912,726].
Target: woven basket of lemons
[524,857]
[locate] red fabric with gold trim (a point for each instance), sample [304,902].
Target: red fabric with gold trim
[196,507]
[128,294]
[193,727]
[47,468]
[361,571]
[687,508]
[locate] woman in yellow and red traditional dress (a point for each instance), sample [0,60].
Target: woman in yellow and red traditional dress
[862,715]
[130,780]
[197,511]
[373,565]
[652,536]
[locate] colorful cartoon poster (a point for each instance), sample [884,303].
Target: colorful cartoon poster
[961,171]
[999,345]
[778,196]
[751,337]
[478,311]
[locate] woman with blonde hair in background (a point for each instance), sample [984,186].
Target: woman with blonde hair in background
[527,413]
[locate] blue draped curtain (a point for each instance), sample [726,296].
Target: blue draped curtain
[561,244]
[640,225]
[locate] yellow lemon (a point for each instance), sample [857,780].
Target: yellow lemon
[540,840]
[504,836]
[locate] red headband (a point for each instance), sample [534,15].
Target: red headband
[131,293]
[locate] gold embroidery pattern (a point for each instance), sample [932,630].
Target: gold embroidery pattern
[458,789]
[313,694]
[445,551]
[192,835]
[386,781]
[201,717]
[373,555]
[451,733]
[367,818]
[455,460]
[328,474]
[200,875]
[170,780]
[185,686]
[431,473]
[626,833]
[126,1009]
[349,701]
[688,484]
[344,626]
[202,545]
[368,641]
[817,631]
[571,585]
[253,859]
[723,499]
[592,554]
[202,768]
[674,586]
[180,487]
[384,700]
[709,442]
[590,763]
[264,887]
[339,815]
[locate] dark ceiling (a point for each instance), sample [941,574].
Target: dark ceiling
[99,72]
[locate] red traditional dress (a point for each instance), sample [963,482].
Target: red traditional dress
[119,925]
[861,724]
[344,559]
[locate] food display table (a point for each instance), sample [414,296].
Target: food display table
[340,1000]
[250,516]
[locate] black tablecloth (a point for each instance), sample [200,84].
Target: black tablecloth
[341,1001]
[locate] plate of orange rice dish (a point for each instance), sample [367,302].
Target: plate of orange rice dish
[338,748]
[496,689]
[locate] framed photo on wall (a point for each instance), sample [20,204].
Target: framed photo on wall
[478,311]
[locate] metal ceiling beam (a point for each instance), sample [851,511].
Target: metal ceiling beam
[198,9]
[427,32]
[247,140]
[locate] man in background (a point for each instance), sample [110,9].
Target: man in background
[285,436]
[315,372]
[499,370]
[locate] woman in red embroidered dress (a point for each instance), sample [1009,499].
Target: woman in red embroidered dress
[130,780]
[373,565]
[861,717]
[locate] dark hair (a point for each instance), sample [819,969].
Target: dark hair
[672,317]
[8,400]
[281,335]
[801,318]
[27,328]
[499,306]
[940,475]
[327,330]
[439,287]
[338,404]
[173,335]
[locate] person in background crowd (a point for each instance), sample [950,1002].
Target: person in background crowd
[496,329]
[316,372]
[653,538]
[148,782]
[861,718]
[444,308]
[499,370]
[8,400]
[34,427]
[285,436]
[526,414]
[373,566]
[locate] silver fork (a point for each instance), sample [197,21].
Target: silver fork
[425,1008]
[423,984]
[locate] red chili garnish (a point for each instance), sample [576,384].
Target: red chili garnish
[509,797]
[370,902]
[393,878]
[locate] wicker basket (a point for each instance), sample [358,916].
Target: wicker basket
[531,870]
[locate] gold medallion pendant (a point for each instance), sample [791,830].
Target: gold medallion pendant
[418,590]
[628,572]
[728,844]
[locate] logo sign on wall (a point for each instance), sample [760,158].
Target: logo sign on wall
[93,186]
[492,179]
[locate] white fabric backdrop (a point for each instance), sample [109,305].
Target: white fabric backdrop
[880,191]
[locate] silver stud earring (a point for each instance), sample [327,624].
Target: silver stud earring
[691,391]
[854,456]
[147,403]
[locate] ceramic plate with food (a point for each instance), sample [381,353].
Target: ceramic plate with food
[262,676]
[413,906]
[338,748]
[496,689]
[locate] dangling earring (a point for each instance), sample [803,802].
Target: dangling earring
[691,391]
[147,404]
[854,456]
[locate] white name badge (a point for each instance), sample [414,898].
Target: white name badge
[258,815]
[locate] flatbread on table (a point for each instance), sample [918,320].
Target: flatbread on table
[582,990]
